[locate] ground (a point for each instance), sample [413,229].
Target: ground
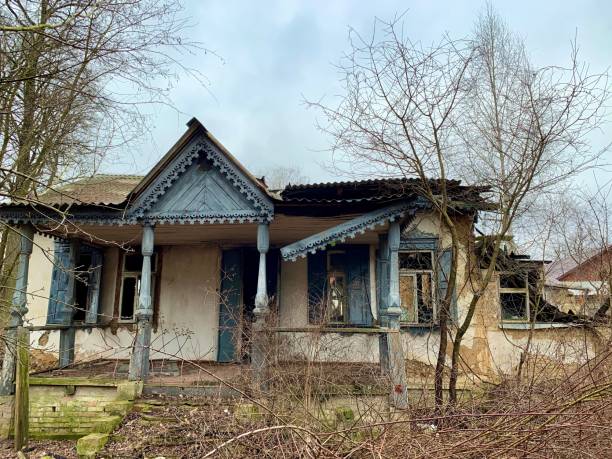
[311,411]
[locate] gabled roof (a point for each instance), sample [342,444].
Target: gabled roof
[100,189]
[121,199]
[382,189]
[558,269]
[120,189]
[193,128]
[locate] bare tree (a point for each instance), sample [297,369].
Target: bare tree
[279,177]
[474,109]
[74,77]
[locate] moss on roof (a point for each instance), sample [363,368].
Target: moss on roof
[100,189]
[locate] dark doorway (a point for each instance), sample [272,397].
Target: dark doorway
[250,273]
[82,282]
[239,273]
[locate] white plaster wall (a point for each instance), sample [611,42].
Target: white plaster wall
[39,279]
[188,304]
[293,309]
[39,284]
[330,347]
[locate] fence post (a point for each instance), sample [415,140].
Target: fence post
[22,388]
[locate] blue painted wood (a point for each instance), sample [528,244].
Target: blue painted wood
[419,241]
[349,229]
[382,277]
[317,280]
[201,188]
[357,268]
[393,309]
[60,281]
[93,290]
[230,306]
[445,259]
[203,150]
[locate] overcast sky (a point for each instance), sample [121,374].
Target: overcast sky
[277,53]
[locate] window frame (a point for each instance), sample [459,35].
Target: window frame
[403,272]
[331,271]
[124,274]
[506,290]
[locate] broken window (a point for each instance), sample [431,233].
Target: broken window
[82,282]
[130,284]
[339,286]
[336,281]
[416,286]
[514,296]
[81,304]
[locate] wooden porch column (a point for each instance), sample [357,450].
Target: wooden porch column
[263,245]
[67,335]
[18,310]
[139,362]
[262,311]
[393,352]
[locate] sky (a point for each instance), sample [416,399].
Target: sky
[274,55]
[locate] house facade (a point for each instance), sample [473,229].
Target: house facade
[192,260]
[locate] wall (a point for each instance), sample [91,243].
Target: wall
[188,307]
[64,408]
[189,316]
[487,349]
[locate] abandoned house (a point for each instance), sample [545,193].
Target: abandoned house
[188,261]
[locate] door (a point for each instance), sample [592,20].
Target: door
[230,306]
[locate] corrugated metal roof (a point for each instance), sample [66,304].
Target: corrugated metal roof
[110,189]
[382,189]
[100,189]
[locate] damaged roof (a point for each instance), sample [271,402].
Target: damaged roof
[114,190]
[117,191]
[100,189]
[383,189]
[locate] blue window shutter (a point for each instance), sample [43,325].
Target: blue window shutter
[59,283]
[93,290]
[317,277]
[445,260]
[230,307]
[357,270]
[382,275]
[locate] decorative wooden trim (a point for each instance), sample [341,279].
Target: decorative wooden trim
[139,210]
[157,291]
[350,229]
[163,182]
[114,324]
[341,330]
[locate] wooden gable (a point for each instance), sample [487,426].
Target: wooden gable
[200,181]
[201,190]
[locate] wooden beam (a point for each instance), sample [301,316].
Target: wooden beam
[347,230]
[18,310]
[139,361]
[22,389]
[260,335]
[391,350]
